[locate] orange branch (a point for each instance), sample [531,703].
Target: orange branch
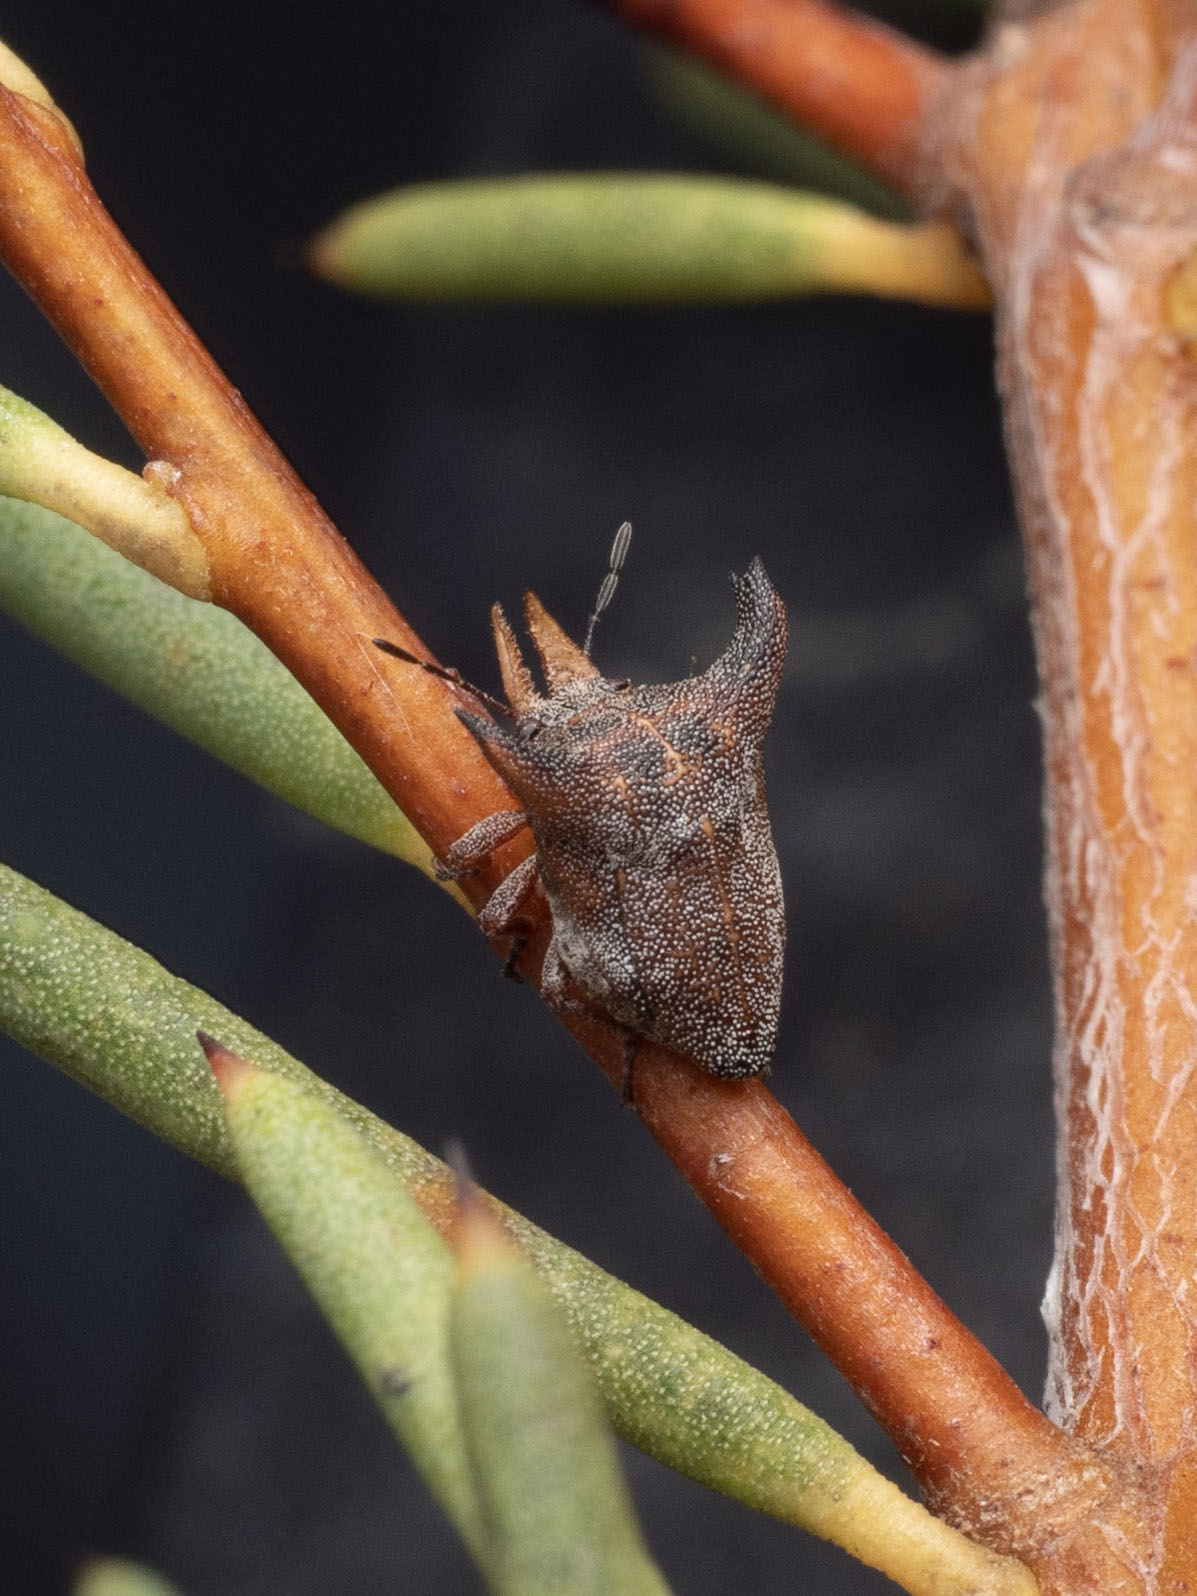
[274,557]
[980,1451]
[861,86]
[974,1442]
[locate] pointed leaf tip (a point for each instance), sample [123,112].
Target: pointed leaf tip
[478,1239]
[480,1243]
[228,1067]
[458,1161]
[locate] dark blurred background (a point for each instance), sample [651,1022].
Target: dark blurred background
[166,1391]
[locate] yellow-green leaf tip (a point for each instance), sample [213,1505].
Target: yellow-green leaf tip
[476,1236]
[116,1576]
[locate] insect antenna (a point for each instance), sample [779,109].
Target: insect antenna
[446,674]
[606,592]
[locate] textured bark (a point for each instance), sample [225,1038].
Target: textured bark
[1074,156]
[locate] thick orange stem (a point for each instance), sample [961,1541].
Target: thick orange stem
[1075,151]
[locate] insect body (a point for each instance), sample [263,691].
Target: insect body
[647,806]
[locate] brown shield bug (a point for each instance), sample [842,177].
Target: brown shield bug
[653,848]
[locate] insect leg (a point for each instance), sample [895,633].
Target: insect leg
[554,986]
[627,1086]
[501,910]
[478,841]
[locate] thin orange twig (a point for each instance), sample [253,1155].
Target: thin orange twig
[863,87]
[274,557]
[980,1451]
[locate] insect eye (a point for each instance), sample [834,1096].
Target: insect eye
[527,728]
[619,684]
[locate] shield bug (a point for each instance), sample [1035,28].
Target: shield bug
[653,847]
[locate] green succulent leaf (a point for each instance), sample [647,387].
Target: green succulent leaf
[656,239]
[380,1273]
[557,1511]
[194,666]
[114,1019]
[43,464]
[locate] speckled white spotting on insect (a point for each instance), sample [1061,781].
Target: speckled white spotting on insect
[653,848]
